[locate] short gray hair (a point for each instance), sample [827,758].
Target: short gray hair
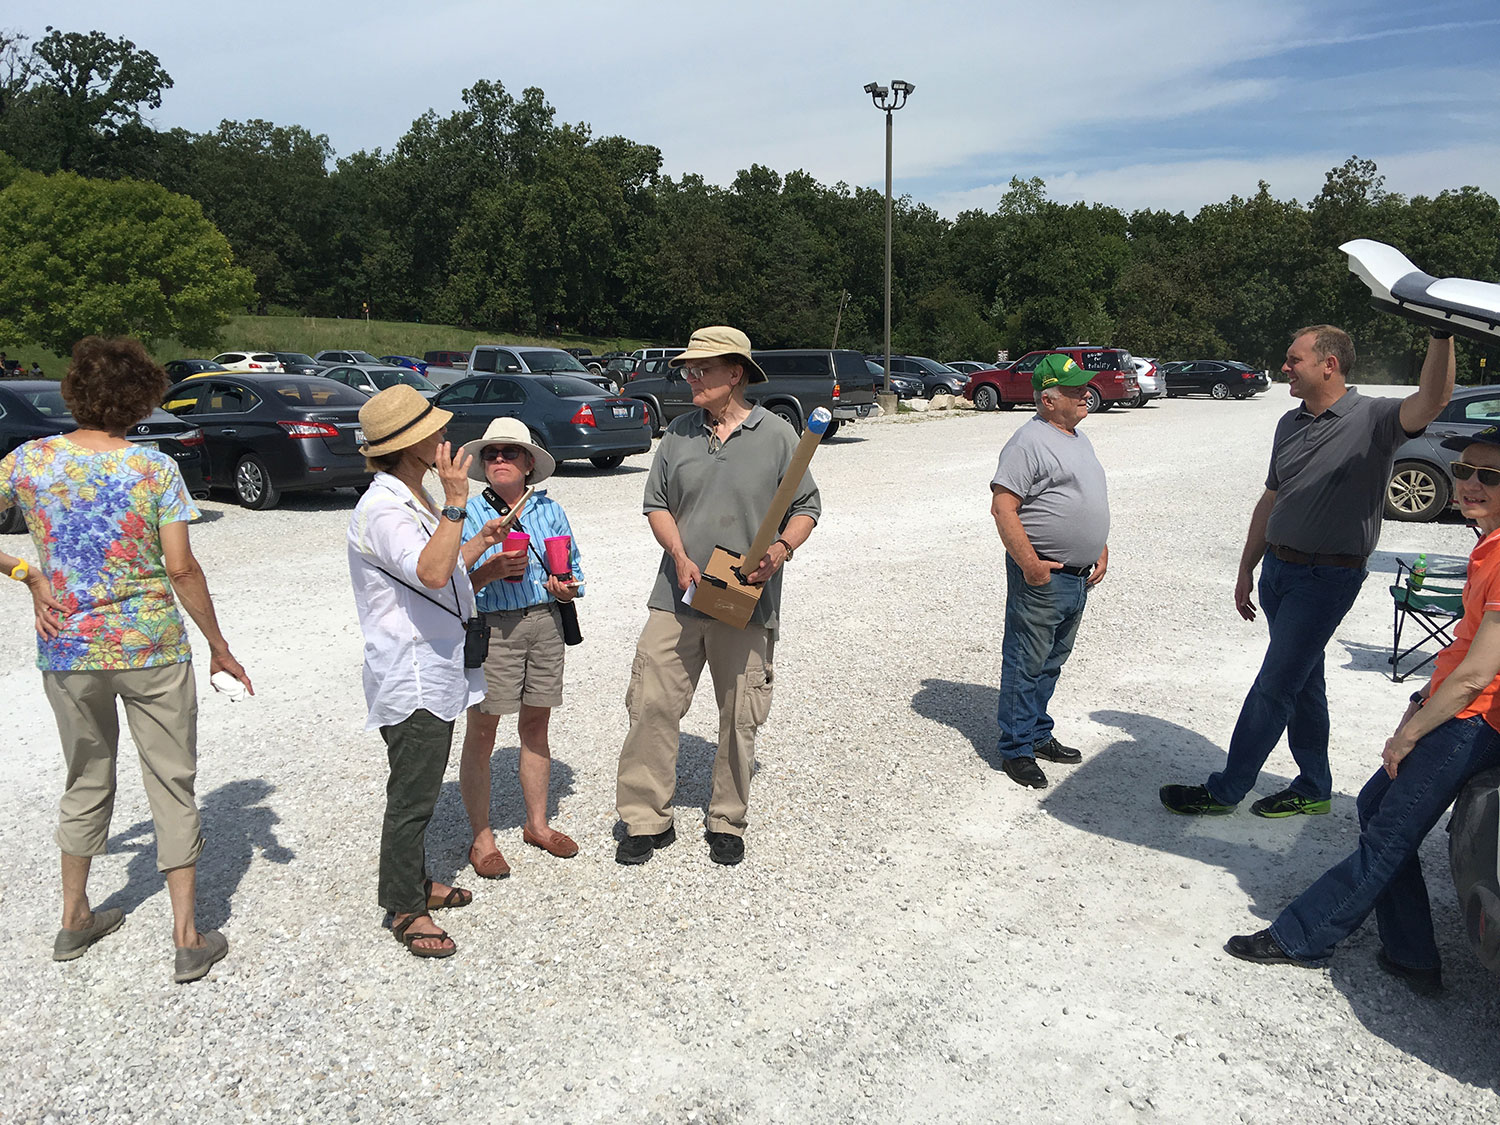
[1037,396]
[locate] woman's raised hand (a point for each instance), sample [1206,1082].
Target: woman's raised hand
[454,474]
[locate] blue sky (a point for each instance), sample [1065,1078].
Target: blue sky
[1148,103]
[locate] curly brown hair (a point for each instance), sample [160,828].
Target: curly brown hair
[112,383]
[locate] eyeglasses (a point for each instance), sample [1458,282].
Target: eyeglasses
[1462,470]
[502,453]
[698,374]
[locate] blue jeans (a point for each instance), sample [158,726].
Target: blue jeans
[1303,606]
[1040,625]
[1384,873]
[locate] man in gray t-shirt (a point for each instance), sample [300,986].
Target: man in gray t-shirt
[1051,507]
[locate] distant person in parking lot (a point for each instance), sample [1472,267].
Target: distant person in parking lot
[1314,528]
[1051,506]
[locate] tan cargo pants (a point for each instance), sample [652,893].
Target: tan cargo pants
[669,658]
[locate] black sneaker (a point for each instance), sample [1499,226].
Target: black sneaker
[1287,803]
[1054,751]
[725,848]
[1193,800]
[1263,949]
[637,849]
[1424,982]
[1024,771]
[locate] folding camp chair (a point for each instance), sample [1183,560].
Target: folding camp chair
[1433,607]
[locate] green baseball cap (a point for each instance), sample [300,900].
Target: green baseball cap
[1057,370]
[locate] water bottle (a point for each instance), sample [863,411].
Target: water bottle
[1419,572]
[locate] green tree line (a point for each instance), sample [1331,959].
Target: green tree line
[499,217]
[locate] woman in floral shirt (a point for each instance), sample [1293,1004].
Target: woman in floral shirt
[109,520]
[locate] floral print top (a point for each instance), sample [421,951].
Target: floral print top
[95,519]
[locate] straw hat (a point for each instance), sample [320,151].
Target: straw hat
[720,340]
[397,418]
[509,431]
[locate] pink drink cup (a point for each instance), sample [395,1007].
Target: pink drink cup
[559,555]
[516,541]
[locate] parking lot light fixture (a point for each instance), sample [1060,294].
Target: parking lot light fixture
[889,99]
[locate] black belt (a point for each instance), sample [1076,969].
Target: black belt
[1301,558]
[1076,571]
[540,607]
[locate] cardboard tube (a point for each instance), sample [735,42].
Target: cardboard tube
[770,527]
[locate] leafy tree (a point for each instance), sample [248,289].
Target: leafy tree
[117,257]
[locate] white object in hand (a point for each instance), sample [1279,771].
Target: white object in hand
[227,684]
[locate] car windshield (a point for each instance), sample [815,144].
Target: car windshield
[552,361]
[933,367]
[295,357]
[315,392]
[390,376]
[565,386]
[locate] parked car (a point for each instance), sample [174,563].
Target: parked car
[444,376]
[799,380]
[655,353]
[183,368]
[507,359]
[248,361]
[330,358]
[417,365]
[446,359]
[599,363]
[1421,485]
[580,353]
[298,363]
[568,416]
[369,380]
[1111,382]
[937,378]
[1149,379]
[902,386]
[1218,378]
[34,408]
[269,434]
[967,366]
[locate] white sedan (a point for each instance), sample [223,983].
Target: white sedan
[265,363]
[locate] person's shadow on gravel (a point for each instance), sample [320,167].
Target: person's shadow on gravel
[235,824]
[967,708]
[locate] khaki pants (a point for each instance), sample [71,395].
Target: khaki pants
[161,707]
[668,661]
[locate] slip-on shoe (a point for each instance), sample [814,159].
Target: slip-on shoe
[492,866]
[194,962]
[551,841]
[1263,949]
[74,943]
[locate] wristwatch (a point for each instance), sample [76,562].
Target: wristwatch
[788,547]
[1418,698]
[1439,333]
[20,572]
[454,514]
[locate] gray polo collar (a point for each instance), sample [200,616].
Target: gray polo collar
[1341,406]
[752,420]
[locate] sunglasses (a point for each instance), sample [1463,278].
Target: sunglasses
[502,453]
[1462,470]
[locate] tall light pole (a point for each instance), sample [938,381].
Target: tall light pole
[889,99]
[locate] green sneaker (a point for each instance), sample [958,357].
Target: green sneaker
[1287,803]
[1192,800]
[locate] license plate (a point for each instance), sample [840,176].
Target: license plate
[359,437]
[148,445]
[621,411]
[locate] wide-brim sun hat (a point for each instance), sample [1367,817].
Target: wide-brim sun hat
[1057,370]
[509,431]
[397,418]
[720,340]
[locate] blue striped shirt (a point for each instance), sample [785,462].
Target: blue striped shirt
[541,518]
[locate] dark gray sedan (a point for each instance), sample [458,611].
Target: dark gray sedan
[1421,485]
[568,417]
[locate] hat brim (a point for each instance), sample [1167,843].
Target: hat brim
[755,373]
[431,422]
[1459,442]
[1070,380]
[544,466]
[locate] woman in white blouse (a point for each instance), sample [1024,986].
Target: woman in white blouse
[413,598]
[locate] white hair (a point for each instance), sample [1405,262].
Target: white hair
[1046,392]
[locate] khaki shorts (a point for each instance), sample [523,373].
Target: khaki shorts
[525,664]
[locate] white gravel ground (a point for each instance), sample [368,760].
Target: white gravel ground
[911,936]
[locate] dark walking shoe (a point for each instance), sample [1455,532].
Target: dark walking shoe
[1424,982]
[1263,949]
[1054,751]
[1287,803]
[725,848]
[1024,771]
[71,944]
[1192,800]
[193,962]
[638,849]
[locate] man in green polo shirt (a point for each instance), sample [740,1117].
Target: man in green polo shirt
[715,472]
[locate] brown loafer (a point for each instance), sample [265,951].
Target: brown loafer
[491,866]
[551,841]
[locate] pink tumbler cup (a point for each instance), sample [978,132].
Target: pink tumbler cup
[559,555]
[516,541]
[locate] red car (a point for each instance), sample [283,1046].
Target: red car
[1112,379]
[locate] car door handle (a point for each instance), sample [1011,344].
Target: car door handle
[228,430]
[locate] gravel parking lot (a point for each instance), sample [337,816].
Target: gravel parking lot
[911,936]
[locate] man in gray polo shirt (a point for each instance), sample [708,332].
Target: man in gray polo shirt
[1315,525]
[715,472]
[1051,507]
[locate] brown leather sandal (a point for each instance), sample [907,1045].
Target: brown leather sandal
[492,866]
[456,897]
[402,931]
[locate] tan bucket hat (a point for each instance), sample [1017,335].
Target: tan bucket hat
[719,340]
[510,431]
[397,418]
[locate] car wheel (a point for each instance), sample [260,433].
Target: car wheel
[933,392]
[1219,390]
[787,415]
[986,398]
[833,428]
[1418,492]
[612,461]
[1138,400]
[1095,400]
[11,521]
[252,484]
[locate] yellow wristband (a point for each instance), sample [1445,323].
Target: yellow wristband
[20,572]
